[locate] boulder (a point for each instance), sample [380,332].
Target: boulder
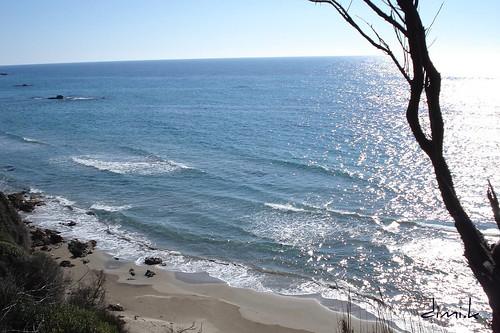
[38,237]
[80,249]
[44,237]
[153,261]
[149,274]
[69,224]
[115,307]
[24,202]
[54,236]
[66,263]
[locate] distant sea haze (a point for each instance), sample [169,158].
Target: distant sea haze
[291,175]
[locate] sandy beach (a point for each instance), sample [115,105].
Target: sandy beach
[172,301]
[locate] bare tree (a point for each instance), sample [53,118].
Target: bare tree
[424,82]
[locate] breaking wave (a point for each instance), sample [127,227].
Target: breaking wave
[140,167]
[109,208]
[284,207]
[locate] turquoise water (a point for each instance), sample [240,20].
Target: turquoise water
[292,175]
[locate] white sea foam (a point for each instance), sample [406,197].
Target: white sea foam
[284,207]
[79,98]
[289,229]
[58,211]
[109,208]
[30,140]
[127,245]
[140,167]
[122,243]
[63,201]
[22,138]
[35,190]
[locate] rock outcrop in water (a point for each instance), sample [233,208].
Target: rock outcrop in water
[57,97]
[24,202]
[153,261]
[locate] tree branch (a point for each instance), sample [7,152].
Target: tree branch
[492,197]
[386,17]
[348,18]
[394,9]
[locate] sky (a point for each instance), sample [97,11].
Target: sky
[56,31]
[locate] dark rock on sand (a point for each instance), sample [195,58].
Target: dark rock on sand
[115,307]
[66,263]
[80,249]
[44,237]
[54,236]
[57,97]
[131,272]
[149,274]
[152,261]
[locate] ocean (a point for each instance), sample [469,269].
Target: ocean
[290,175]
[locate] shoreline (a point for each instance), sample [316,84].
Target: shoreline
[174,299]
[178,300]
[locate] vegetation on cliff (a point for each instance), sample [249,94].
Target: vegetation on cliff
[35,296]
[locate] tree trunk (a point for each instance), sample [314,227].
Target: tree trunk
[495,324]
[483,259]
[427,79]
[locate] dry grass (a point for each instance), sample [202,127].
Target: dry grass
[384,322]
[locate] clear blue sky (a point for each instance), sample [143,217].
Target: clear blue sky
[48,31]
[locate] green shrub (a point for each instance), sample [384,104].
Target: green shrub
[33,288]
[89,294]
[29,284]
[12,229]
[69,318]
[39,276]
[62,318]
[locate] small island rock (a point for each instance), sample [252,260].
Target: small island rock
[57,97]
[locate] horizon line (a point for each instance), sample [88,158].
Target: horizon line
[192,59]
